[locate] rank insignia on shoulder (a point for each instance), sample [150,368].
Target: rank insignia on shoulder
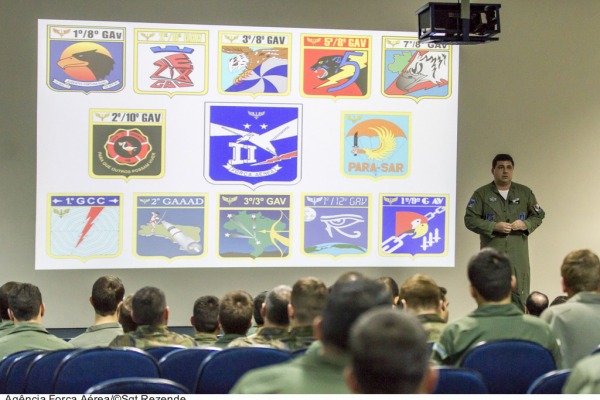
[471,202]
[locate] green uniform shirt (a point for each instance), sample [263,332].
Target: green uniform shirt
[492,322]
[312,373]
[584,377]
[487,207]
[299,337]
[98,335]
[6,327]
[146,336]
[30,336]
[576,325]
[266,337]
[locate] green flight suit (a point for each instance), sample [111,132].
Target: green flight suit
[433,325]
[97,335]
[146,336]
[486,208]
[30,336]
[584,377]
[492,322]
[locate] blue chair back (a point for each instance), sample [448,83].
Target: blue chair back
[509,366]
[182,365]
[41,371]
[550,383]
[5,365]
[221,370]
[160,351]
[17,371]
[85,368]
[459,381]
[138,386]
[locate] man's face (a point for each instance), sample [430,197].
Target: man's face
[503,172]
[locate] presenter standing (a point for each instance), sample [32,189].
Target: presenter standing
[504,213]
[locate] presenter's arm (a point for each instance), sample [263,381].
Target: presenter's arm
[475,218]
[535,214]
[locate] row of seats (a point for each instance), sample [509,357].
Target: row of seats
[198,370]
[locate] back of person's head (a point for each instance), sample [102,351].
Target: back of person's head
[346,302]
[502,157]
[536,303]
[308,299]
[148,306]
[490,273]
[420,292]
[4,290]
[580,272]
[258,301]
[276,305]
[125,318]
[25,301]
[350,276]
[235,312]
[559,300]
[107,294]
[389,353]
[205,317]
[392,287]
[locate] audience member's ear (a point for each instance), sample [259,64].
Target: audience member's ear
[318,327]
[513,282]
[192,320]
[42,310]
[403,301]
[263,310]
[91,302]
[350,379]
[564,287]
[11,316]
[429,381]
[166,315]
[291,311]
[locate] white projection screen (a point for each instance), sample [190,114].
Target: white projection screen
[201,146]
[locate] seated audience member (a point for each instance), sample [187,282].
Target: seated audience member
[257,318]
[320,371]
[423,297]
[576,323]
[392,287]
[536,303]
[6,325]
[274,312]
[307,301]
[389,354]
[26,310]
[559,300]
[445,304]
[107,295]
[491,281]
[205,320]
[584,377]
[235,316]
[150,312]
[127,323]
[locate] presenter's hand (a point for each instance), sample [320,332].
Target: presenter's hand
[518,225]
[503,227]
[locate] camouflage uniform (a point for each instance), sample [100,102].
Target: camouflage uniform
[266,337]
[146,336]
[224,340]
[433,325]
[205,339]
[299,337]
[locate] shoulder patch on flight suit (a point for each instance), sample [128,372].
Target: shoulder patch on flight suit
[537,208]
[471,202]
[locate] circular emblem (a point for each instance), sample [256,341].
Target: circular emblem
[127,146]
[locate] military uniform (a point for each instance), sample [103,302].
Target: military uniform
[433,325]
[299,337]
[584,377]
[576,324]
[223,341]
[6,327]
[205,339]
[486,208]
[146,336]
[312,373]
[266,337]
[30,336]
[98,335]
[492,322]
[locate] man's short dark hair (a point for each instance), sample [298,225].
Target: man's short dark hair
[536,303]
[389,352]
[391,286]
[205,316]
[502,157]
[420,292]
[235,312]
[125,318]
[25,300]
[107,293]
[346,302]
[580,271]
[258,302]
[309,296]
[4,290]
[148,306]
[490,274]
[276,305]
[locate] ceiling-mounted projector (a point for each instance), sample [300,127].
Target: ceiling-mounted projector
[459,23]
